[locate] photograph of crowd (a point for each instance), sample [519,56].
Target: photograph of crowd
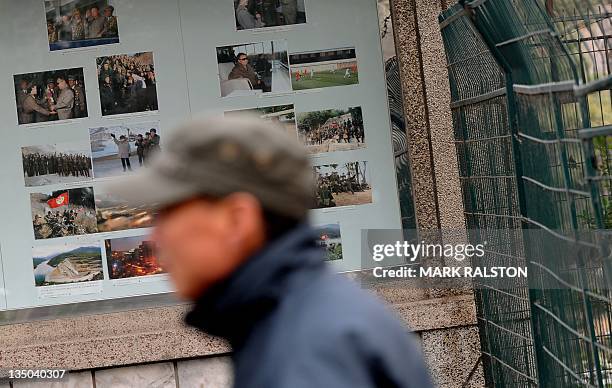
[50,96]
[67,263]
[130,257]
[63,213]
[281,115]
[115,213]
[122,149]
[330,240]
[80,23]
[323,69]
[252,14]
[342,185]
[127,83]
[331,130]
[254,68]
[55,164]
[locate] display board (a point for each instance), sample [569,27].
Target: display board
[90,89]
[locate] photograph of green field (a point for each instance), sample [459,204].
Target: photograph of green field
[323,69]
[66,263]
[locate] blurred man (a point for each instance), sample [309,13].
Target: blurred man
[233,197]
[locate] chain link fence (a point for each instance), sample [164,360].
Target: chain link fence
[532,112]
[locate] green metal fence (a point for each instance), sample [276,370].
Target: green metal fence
[532,111]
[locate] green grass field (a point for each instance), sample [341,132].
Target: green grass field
[324,80]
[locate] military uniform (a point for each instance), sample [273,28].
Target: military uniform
[80,107]
[65,103]
[28,108]
[289,11]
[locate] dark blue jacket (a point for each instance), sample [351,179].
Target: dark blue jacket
[293,323]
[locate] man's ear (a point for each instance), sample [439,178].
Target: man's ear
[246,217]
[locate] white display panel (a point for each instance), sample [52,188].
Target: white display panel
[183,37]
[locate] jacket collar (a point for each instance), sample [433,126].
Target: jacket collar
[231,308]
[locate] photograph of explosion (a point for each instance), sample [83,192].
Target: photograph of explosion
[281,115]
[67,263]
[342,185]
[63,213]
[130,257]
[56,163]
[330,239]
[115,213]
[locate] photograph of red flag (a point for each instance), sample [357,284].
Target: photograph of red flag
[63,213]
[59,201]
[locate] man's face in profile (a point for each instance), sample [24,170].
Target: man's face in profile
[202,241]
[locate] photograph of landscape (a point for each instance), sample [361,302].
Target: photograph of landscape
[66,263]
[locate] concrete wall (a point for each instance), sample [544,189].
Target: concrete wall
[155,342]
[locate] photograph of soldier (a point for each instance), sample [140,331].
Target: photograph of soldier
[330,240]
[130,257]
[323,69]
[252,14]
[122,149]
[114,213]
[331,130]
[80,23]
[281,115]
[63,213]
[56,163]
[342,185]
[254,68]
[127,83]
[67,263]
[50,96]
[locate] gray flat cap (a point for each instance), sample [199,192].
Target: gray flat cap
[217,157]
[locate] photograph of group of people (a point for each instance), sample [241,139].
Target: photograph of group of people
[50,96]
[85,210]
[80,23]
[251,14]
[62,213]
[343,184]
[122,149]
[67,263]
[127,83]
[56,164]
[331,130]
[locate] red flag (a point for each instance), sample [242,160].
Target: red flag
[60,200]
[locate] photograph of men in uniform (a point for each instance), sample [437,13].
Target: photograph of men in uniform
[332,130]
[265,69]
[50,96]
[63,213]
[252,14]
[123,149]
[127,83]
[81,23]
[342,185]
[56,164]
